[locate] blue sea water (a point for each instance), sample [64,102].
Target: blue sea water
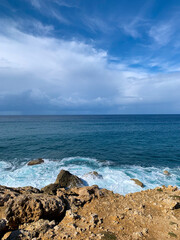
[119,147]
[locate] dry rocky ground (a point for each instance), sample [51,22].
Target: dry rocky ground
[63,211]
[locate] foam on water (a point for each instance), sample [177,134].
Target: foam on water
[115,178]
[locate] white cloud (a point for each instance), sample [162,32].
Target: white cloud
[54,76]
[162,33]
[48,8]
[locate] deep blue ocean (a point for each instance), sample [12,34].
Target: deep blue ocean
[119,147]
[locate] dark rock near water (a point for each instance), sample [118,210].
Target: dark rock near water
[35,162]
[94,175]
[166,173]
[138,182]
[67,180]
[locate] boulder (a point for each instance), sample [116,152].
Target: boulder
[139,183]
[166,173]
[94,175]
[35,162]
[67,180]
[28,208]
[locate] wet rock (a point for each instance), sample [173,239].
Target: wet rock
[166,173]
[94,175]
[35,162]
[28,208]
[67,180]
[139,183]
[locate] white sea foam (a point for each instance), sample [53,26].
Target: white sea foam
[116,179]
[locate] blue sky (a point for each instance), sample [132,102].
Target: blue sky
[89,56]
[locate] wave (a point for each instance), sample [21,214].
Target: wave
[116,178]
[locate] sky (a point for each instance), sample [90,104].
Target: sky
[89,57]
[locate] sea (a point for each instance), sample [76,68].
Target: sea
[119,147]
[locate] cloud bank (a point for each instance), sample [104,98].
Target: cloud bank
[47,75]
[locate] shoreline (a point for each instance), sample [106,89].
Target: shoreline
[68,210]
[117,179]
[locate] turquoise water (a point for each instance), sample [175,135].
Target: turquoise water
[120,147]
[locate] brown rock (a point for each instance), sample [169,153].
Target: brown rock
[28,208]
[67,180]
[51,188]
[166,173]
[137,235]
[35,162]
[138,182]
[38,228]
[87,193]
[79,196]
[7,193]
[173,202]
[28,189]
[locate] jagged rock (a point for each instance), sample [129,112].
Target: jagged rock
[173,202]
[50,189]
[35,162]
[33,213]
[67,180]
[94,175]
[3,226]
[172,188]
[28,189]
[7,193]
[138,182]
[87,193]
[79,196]
[28,208]
[38,228]
[166,173]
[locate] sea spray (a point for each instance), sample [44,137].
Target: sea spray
[115,178]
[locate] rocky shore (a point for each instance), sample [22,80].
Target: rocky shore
[67,209]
